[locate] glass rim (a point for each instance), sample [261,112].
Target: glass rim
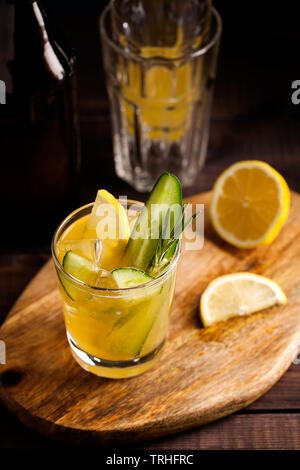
[82,284]
[131,55]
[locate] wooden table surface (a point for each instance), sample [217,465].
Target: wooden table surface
[253,118]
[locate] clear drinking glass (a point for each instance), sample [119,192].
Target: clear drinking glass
[160,93]
[114,333]
[179,24]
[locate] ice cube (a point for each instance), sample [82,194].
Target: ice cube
[105,280]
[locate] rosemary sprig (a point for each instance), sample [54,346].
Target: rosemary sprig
[167,245]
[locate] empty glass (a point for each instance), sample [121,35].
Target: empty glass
[160,67]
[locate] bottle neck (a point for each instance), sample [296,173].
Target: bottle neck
[52,61]
[33,56]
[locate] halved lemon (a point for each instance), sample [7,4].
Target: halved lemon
[250,204]
[109,223]
[238,294]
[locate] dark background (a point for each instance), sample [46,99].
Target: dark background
[253,118]
[258,62]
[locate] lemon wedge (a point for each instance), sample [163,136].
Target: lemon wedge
[250,204]
[109,223]
[238,294]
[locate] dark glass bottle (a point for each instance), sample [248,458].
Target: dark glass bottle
[39,138]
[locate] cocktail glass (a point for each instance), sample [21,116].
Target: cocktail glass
[114,333]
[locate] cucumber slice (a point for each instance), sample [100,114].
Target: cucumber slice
[165,194]
[130,277]
[129,336]
[130,332]
[79,267]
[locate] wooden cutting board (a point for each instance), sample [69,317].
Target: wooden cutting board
[203,374]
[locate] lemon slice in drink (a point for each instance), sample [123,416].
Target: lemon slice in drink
[237,295]
[109,223]
[250,203]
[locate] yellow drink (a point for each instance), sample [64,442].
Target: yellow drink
[163,93]
[112,332]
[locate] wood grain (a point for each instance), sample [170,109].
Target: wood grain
[239,432]
[204,374]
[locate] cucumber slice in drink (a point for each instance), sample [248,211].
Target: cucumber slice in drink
[130,332]
[129,337]
[81,269]
[130,277]
[165,196]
